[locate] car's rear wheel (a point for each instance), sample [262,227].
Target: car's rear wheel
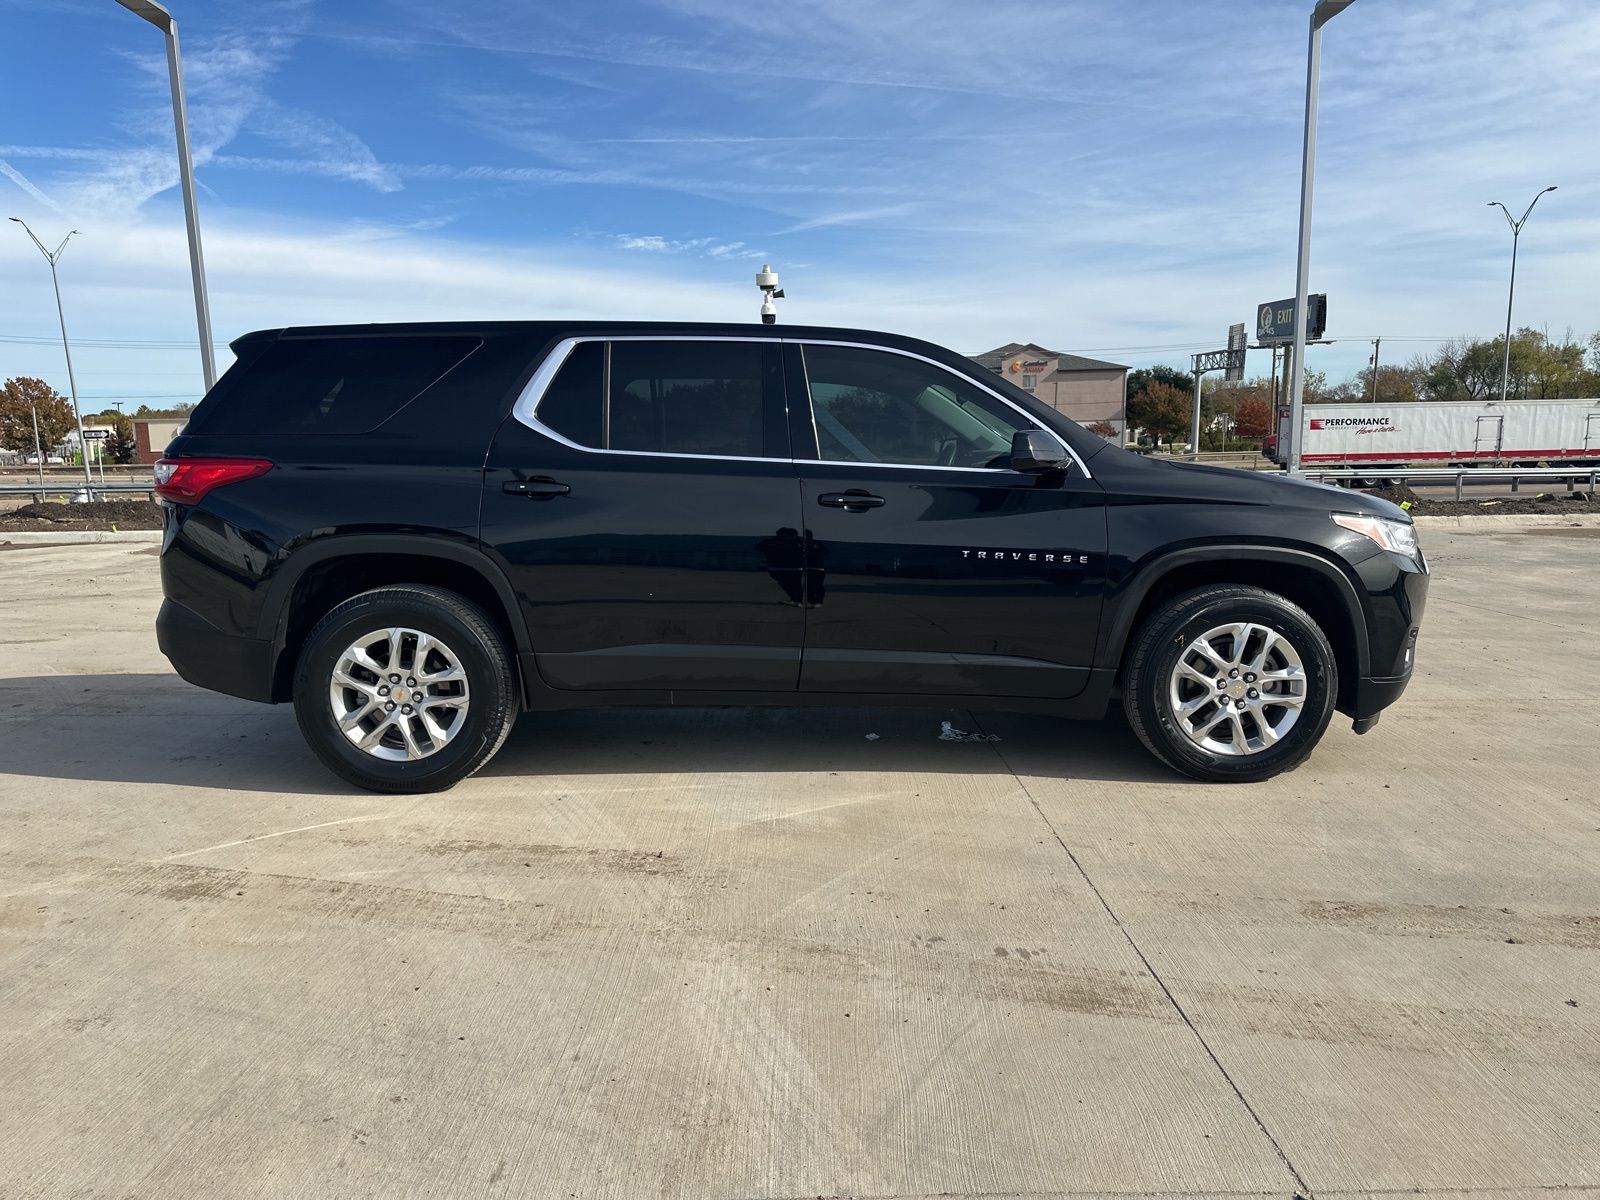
[405,689]
[1230,684]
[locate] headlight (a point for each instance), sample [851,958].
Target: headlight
[1398,536]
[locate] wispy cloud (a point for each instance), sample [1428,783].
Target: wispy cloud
[708,247]
[858,216]
[1084,174]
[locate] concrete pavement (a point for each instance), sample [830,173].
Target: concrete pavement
[739,954]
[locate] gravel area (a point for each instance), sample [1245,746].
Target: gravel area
[1527,504]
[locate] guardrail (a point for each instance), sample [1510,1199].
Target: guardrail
[41,493]
[1572,476]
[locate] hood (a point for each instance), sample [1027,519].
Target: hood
[1270,487]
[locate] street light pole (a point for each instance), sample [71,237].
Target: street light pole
[53,257]
[1324,12]
[1516,233]
[38,448]
[162,20]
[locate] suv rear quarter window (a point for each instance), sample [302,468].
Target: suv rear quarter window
[718,399]
[328,385]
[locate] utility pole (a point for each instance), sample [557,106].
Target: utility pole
[1376,342]
[53,257]
[1516,233]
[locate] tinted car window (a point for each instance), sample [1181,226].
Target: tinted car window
[327,385]
[715,398]
[572,404]
[873,406]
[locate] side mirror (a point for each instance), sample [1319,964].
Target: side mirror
[1034,450]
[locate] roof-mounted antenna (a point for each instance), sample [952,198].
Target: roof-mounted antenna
[767,281]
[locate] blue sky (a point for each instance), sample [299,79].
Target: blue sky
[1110,178]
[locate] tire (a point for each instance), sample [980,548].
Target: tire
[1249,742]
[466,697]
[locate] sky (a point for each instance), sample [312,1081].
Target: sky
[1109,178]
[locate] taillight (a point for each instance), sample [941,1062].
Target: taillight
[187,480]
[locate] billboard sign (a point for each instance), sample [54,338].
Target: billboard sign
[1236,344]
[1275,321]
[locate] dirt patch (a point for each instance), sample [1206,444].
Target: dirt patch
[102,514]
[1526,504]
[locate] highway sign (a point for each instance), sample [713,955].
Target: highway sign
[1275,321]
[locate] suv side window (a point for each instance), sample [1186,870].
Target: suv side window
[327,385]
[871,406]
[719,399]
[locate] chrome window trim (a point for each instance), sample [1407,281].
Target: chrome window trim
[525,408]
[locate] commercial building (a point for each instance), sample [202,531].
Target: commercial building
[1088,390]
[151,435]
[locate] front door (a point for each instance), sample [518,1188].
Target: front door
[643,502]
[932,566]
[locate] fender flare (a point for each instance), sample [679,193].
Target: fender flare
[273,623]
[1117,626]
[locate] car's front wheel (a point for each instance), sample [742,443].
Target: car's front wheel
[1230,683]
[405,689]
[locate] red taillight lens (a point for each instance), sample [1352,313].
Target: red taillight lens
[187,480]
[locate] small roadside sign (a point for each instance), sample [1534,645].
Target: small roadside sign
[96,435]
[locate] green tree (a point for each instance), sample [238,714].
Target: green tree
[1145,376]
[19,399]
[120,447]
[1161,410]
[1396,385]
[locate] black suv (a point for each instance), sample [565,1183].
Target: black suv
[415,531]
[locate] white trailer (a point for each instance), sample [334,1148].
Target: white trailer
[1447,434]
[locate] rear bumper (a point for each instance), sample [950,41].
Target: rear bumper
[209,658]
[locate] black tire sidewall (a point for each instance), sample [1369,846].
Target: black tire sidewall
[1172,636]
[486,683]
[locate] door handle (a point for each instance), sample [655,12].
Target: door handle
[535,489]
[854,500]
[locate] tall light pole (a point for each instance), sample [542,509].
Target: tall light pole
[162,20]
[53,257]
[1324,12]
[1516,233]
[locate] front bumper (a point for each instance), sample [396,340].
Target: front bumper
[209,658]
[1375,695]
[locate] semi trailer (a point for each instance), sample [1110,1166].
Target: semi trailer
[1448,433]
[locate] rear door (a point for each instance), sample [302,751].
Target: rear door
[643,502]
[1488,436]
[933,567]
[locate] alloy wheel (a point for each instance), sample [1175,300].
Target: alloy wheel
[1237,689]
[398,694]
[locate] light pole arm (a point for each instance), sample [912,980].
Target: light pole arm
[48,257]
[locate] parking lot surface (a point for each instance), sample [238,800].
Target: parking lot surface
[742,954]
